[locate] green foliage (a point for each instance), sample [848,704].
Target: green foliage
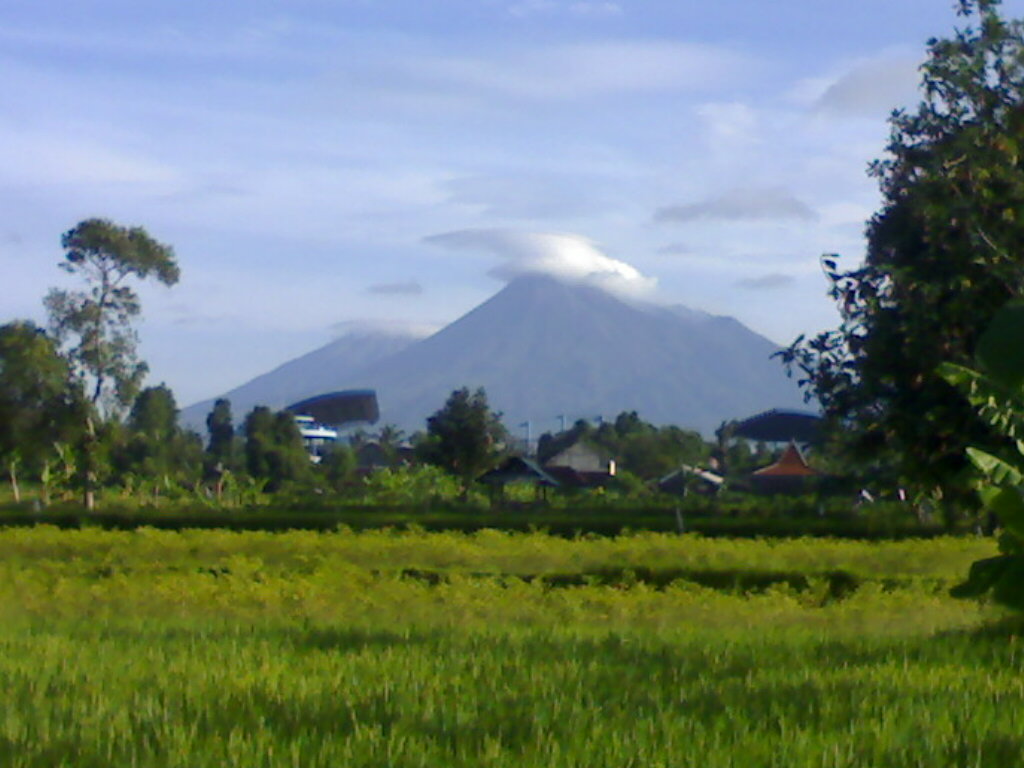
[154,414]
[96,323]
[221,427]
[996,390]
[160,455]
[390,439]
[424,484]
[641,448]
[944,252]
[465,438]
[738,457]
[37,400]
[338,466]
[273,449]
[550,445]
[99,319]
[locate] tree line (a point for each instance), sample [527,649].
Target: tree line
[75,417]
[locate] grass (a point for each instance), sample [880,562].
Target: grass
[213,648]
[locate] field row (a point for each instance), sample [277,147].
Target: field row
[218,649]
[484,552]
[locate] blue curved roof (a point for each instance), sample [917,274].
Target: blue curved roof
[780,425]
[350,406]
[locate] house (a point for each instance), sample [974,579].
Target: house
[564,476]
[791,474]
[318,439]
[581,465]
[582,457]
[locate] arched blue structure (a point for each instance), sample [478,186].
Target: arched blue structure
[781,426]
[351,406]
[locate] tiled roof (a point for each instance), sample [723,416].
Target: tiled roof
[790,464]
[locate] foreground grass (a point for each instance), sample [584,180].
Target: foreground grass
[159,649]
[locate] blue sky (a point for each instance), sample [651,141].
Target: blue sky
[323,165]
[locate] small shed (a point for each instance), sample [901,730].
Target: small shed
[518,469]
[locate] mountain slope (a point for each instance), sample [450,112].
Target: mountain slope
[543,348]
[307,375]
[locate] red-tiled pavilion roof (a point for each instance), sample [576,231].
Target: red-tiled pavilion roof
[790,464]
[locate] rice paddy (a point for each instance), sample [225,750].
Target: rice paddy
[403,648]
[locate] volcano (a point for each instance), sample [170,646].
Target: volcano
[545,349]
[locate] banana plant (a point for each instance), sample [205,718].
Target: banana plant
[996,389]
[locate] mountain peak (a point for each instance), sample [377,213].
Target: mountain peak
[544,347]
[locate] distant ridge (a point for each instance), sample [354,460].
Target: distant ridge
[544,348]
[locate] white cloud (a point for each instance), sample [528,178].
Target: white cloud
[382,327]
[565,256]
[742,204]
[587,69]
[872,88]
[41,158]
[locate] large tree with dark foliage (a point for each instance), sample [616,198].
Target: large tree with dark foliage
[156,448]
[273,448]
[945,251]
[37,399]
[220,424]
[464,437]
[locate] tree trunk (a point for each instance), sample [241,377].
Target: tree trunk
[89,464]
[45,479]
[12,471]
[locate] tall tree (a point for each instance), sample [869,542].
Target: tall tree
[36,398]
[464,437]
[221,426]
[97,322]
[945,251]
[259,441]
[155,414]
[157,448]
[273,448]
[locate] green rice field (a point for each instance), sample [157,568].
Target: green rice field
[405,648]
